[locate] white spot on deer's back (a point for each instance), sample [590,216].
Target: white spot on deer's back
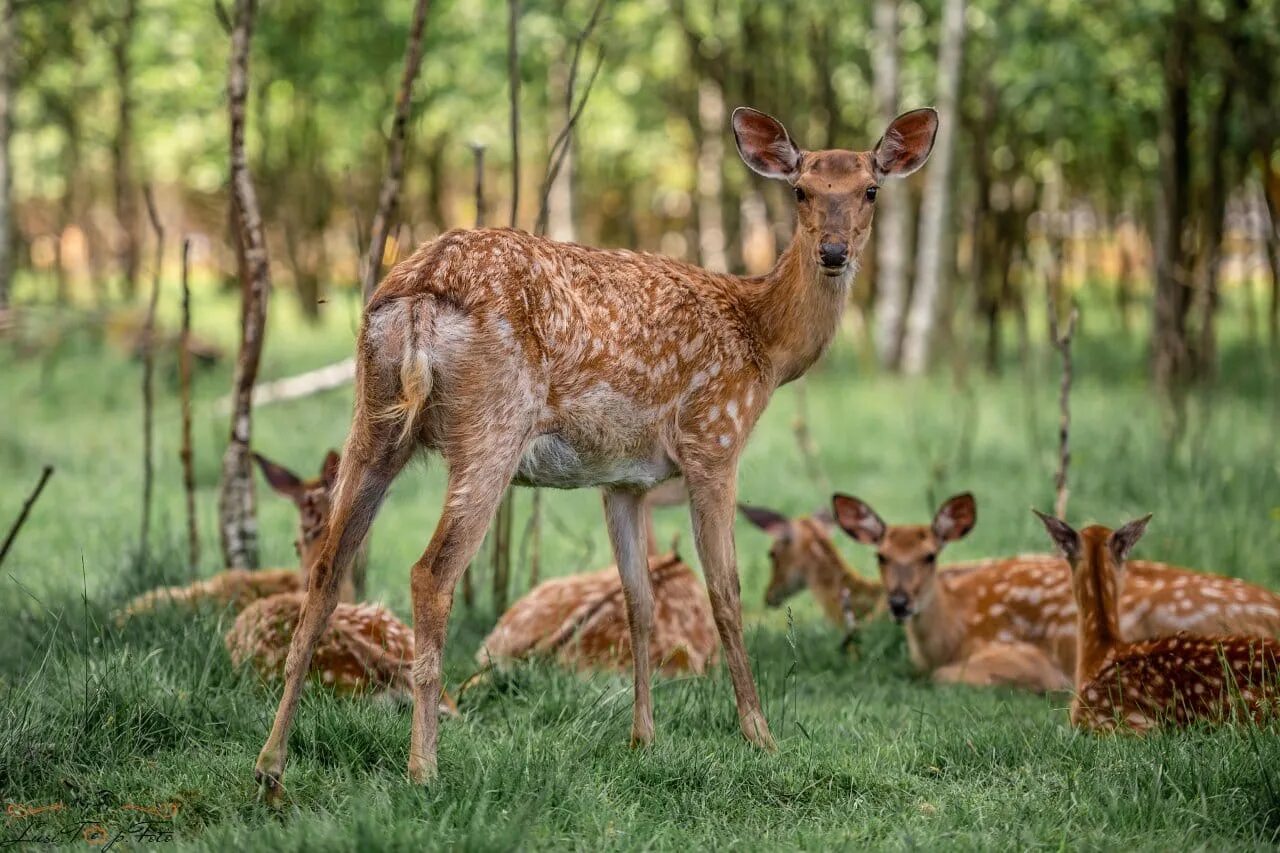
[725,441]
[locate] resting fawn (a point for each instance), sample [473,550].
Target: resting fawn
[519,359]
[803,555]
[1168,681]
[580,621]
[235,589]
[1012,620]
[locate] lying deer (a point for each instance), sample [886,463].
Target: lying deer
[1012,620]
[803,555]
[235,589]
[580,621]
[1169,681]
[364,649]
[519,359]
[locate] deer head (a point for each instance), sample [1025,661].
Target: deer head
[311,497]
[1097,558]
[907,553]
[835,190]
[796,545]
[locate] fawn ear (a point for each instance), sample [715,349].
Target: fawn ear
[773,523]
[1062,534]
[765,145]
[1121,542]
[858,519]
[955,518]
[907,143]
[329,470]
[280,478]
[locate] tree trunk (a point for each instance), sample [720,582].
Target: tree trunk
[931,270]
[389,196]
[122,152]
[560,193]
[1215,212]
[711,124]
[1270,193]
[893,218]
[1170,356]
[7,46]
[237,511]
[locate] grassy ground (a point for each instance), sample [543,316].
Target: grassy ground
[870,754]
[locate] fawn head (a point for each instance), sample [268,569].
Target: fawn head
[907,553]
[1097,556]
[835,190]
[797,544]
[311,497]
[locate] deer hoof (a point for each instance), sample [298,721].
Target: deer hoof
[756,731]
[270,787]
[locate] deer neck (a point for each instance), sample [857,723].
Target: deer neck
[1097,622]
[829,577]
[796,308]
[936,632]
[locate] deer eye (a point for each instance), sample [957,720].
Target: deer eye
[930,559]
[800,196]
[871,194]
[881,559]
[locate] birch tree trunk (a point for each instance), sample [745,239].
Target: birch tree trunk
[237,510]
[931,271]
[893,218]
[7,46]
[560,193]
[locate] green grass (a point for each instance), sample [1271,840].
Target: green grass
[870,754]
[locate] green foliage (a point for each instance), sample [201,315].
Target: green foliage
[871,755]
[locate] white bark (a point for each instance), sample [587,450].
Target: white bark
[560,193]
[893,218]
[931,270]
[711,124]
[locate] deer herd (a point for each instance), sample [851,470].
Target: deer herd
[521,360]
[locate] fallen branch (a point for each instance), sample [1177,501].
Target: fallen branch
[26,510]
[390,193]
[187,454]
[1062,343]
[148,376]
[296,387]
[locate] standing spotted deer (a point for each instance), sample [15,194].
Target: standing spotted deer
[519,359]
[1012,620]
[1167,681]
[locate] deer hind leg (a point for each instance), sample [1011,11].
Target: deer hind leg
[375,452]
[624,513]
[474,491]
[1006,664]
[711,500]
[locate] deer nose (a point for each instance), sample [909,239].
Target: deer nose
[899,605]
[833,254]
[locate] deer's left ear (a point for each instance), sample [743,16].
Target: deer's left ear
[1121,542]
[1062,534]
[955,518]
[281,478]
[765,145]
[907,143]
[329,470]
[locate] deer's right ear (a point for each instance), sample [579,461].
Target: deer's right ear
[1062,534]
[1122,541]
[279,477]
[907,143]
[765,145]
[773,523]
[858,519]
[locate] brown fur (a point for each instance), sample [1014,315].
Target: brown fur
[581,622]
[1012,620]
[802,555]
[1168,681]
[521,359]
[364,650]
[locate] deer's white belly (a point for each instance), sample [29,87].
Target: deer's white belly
[552,462]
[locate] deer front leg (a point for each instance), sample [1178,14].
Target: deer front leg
[711,502]
[624,514]
[1006,664]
